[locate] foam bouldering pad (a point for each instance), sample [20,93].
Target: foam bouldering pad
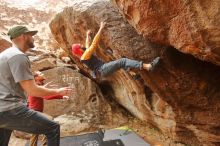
[112,137]
[127,136]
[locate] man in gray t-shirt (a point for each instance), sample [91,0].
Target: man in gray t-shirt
[15,67]
[16,80]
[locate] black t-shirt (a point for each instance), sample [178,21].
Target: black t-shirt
[94,63]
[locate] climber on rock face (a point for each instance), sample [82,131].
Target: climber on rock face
[100,68]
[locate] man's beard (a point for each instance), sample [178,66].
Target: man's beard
[30,44]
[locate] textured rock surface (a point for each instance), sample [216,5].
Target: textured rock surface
[86,94]
[86,106]
[192,89]
[191,26]
[185,101]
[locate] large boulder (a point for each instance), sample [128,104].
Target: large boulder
[191,26]
[119,37]
[180,97]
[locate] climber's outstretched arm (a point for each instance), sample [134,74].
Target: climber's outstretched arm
[89,51]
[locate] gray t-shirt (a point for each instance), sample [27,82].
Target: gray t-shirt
[14,67]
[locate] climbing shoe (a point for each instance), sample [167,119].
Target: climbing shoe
[154,63]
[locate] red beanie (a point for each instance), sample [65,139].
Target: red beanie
[76,49]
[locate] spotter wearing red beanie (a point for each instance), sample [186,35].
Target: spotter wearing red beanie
[76,49]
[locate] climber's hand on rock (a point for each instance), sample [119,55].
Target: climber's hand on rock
[88,32]
[102,24]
